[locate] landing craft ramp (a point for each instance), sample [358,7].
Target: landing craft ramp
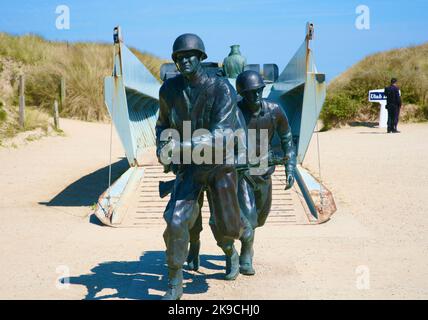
[147,207]
[131,96]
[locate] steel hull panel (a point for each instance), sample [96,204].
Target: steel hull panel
[115,99]
[114,202]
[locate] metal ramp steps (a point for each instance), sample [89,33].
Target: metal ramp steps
[146,207]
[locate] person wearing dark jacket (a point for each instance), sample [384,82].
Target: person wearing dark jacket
[393,105]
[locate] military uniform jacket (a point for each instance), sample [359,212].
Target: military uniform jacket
[210,105]
[273,119]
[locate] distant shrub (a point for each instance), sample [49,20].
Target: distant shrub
[423,112]
[338,109]
[34,119]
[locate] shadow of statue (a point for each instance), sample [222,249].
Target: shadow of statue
[134,279]
[86,190]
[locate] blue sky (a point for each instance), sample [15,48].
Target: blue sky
[268,31]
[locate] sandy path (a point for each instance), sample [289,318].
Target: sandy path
[379,181]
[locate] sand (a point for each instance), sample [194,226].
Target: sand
[374,247]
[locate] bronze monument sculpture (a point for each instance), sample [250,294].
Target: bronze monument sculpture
[208,102]
[255,189]
[255,201]
[194,95]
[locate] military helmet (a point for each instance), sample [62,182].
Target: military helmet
[249,80]
[187,42]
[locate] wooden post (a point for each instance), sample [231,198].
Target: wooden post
[22,101]
[62,93]
[56,115]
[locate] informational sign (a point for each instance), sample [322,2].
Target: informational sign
[375,96]
[378,95]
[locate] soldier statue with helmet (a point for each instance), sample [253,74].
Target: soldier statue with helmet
[208,102]
[254,186]
[260,114]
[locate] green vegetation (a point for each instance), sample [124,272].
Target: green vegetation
[347,94]
[34,119]
[82,65]
[3,114]
[44,63]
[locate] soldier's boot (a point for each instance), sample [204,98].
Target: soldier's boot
[246,257]
[232,262]
[193,256]
[175,285]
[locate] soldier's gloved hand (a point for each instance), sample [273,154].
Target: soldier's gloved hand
[290,179]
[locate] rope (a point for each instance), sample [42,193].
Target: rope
[111,146]
[318,149]
[110,161]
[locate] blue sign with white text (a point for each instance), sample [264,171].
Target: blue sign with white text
[377,96]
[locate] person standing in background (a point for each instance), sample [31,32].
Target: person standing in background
[393,105]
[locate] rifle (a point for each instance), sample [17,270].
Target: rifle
[273,161]
[166,187]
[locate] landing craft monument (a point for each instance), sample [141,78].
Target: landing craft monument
[135,105]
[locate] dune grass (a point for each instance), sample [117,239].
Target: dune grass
[347,94]
[34,119]
[3,114]
[82,65]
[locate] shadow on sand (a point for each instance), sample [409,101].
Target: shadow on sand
[86,190]
[373,132]
[133,279]
[368,124]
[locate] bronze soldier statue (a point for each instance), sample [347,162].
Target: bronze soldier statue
[208,102]
[254,190]
[260,114]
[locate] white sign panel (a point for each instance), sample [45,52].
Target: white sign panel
[378,96]
[375,95]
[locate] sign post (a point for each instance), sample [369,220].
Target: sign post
[379,96]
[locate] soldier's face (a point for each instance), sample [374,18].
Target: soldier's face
[187,62]
[253,97]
